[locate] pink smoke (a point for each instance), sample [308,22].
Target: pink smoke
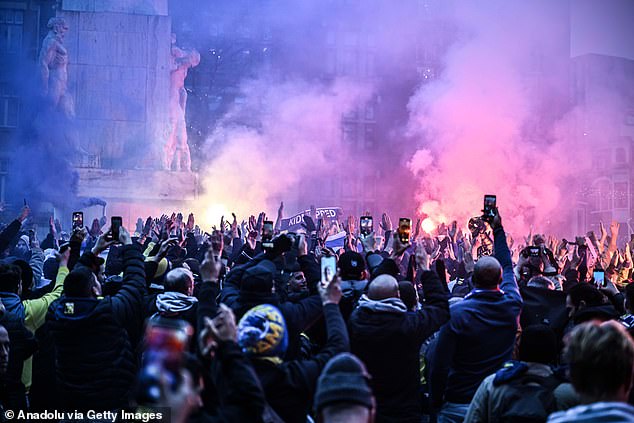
[491,124]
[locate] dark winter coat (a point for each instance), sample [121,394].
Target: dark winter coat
[95,341]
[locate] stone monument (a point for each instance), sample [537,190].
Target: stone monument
[119,69]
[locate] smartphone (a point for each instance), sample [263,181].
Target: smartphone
[78,220]
[267,234]
[533,251]
[404,229]
[488,211]
[366,226]
[328,269]
[599,278]
[115,224]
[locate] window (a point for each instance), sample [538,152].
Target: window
[369,111]
[11,28]
[620,195]
[369,140]
[351,114]
[9,108]
[349,133]
[601,199]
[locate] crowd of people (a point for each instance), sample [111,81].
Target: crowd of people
[230,326]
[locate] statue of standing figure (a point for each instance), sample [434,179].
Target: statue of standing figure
[53,63]
[176,149]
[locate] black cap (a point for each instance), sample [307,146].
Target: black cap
[343,380]
[259,278]
[351,264]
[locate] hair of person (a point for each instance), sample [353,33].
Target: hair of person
[601,358]
[538,344]
[79,283]
[541,282]
[345,413]
[10,276]
[178,280]
[587,293]
[487,273]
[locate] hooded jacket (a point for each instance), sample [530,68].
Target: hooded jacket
[479,337]
[95,341]
[388,338]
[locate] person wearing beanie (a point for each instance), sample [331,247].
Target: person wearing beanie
[494,401]
[343,392]
[290,385]
[388,338]
[253,283]
[353,281]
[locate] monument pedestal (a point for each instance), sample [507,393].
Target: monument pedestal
[137,193]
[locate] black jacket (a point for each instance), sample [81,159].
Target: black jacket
[22,346]
[298,316]
[389,344]
[290,386]
[95,341]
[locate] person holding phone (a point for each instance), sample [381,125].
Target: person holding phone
[387,338]
[95,337]
[256,283]
[490,312]
[290,385]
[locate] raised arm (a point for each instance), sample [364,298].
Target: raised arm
[503,255]
[127,304]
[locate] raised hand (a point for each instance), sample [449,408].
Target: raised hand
[350,226]
[368,242]
[210,267]
[24,213]
[417,229]
[422,258]
[190,222]
[386,222]
[452,230]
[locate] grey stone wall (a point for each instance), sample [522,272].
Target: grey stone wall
[119,75]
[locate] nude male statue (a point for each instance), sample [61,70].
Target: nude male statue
[53,63]
[176,149]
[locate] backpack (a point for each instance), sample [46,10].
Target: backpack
[527,399]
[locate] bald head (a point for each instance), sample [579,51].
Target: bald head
[179,280]
[382,287]
[487,273]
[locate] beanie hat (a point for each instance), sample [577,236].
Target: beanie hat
[262,332]
[259,278]
[387,267]
[343,380]
[351,264]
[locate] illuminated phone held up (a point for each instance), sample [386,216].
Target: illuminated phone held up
[404,229]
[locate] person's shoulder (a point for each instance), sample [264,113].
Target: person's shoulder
[598,411]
